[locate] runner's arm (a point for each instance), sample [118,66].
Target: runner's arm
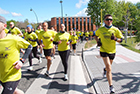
[27,52]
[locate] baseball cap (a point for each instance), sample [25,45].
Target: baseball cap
[2,19]
[30,26]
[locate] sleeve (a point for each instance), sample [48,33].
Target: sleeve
[21,43]
[97,33]
[70,37]
[56,38]
[18,30]
[76,38]
[54,33]
[119,34]
[35,36]
[39,36]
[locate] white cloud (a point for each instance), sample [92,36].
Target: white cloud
[16,14]
[3,11]
[81,2]
[82,13]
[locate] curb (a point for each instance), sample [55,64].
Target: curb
[95,85]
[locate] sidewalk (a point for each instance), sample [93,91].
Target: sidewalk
[125,71]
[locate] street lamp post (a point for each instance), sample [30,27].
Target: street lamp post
[101,18]
[61,10]
[35,16]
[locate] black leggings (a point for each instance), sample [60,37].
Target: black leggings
[34,51]
[64,55]
[81,37]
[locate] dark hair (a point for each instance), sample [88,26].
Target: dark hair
[107,15]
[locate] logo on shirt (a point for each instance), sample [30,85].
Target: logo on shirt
[45,37]
[3,55]
[7,48]
[10,88]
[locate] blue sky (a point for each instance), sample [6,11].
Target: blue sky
[19,10]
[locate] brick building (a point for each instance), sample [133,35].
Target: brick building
[80,23]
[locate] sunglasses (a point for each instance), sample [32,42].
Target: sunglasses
[108,19]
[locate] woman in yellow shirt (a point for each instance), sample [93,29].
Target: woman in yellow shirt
[32,38]
[63,40]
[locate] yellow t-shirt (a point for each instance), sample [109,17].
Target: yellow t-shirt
[38,31]
[81,33]
[108,45]
[31,36]
[46,37]
[91,33]
[78,33]
[64,37]
[74,39]
[9,54]
[87,34]
[15,31]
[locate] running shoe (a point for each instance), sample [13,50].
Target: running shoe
[112,90]
[47,73]
[74,54]
[104,74]
[65,77]
[30,68]
[40,60]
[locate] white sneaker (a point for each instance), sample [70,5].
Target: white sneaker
[112,90]
[40,60]
[65,77]
[74,54]
[30,68]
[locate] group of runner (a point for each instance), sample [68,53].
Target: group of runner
[46,39]
[43,38]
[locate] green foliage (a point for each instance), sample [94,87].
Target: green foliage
[130,44]
[121,11]
[138,37]
[94,10]
[90,43]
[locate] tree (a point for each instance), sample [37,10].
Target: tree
[94,10]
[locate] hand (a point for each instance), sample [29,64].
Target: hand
[42,45]
[99,42]
[51,39]
[68,43]
[17,65]
[113,37]
[30,39]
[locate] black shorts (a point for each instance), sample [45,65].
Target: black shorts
[104,54]
[74,46]
[9,87]
[47,52]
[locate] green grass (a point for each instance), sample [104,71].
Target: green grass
[130,44]
[90,43]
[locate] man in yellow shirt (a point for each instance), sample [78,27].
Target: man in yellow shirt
[10,64]
[108,35]
[15,30]
[47,37]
